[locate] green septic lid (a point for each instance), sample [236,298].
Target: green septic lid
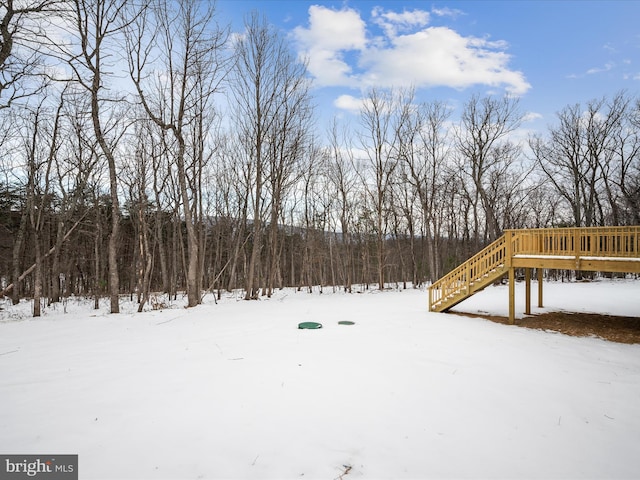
[346,322]
[310,325]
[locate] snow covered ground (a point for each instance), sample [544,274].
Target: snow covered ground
[235,390]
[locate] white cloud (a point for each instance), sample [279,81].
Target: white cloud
[531,117]
[349,103]
[439,56]
[330,35]
[605,68]
[593,71]
[342,52]
[393,22]
[333,29]
[447,12]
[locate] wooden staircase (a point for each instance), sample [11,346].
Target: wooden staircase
[607,249]
[484,268]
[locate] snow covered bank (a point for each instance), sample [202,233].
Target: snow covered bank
[235,390]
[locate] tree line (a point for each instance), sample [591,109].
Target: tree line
[144,148]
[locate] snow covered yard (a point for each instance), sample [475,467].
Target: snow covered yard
[235,390]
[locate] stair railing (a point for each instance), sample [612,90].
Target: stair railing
[461,279]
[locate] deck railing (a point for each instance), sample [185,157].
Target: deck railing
[606,242]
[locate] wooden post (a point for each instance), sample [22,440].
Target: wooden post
[540,272]
[527,296]
[467,273]
[512,296]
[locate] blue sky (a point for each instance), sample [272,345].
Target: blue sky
[548,53]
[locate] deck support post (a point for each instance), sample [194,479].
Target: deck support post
[527,295]
[512,296]
[540,272]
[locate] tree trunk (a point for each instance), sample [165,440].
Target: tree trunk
[17,253]
[37,274]
[55,265]
[97,241]
[251,285]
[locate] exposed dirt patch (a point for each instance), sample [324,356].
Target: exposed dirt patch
[608,327]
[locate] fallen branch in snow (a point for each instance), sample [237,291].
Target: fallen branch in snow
[167,321]
[347,469]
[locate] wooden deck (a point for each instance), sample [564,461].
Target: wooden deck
[601,249]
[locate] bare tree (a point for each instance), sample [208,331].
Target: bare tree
[288,142]
[485,149]
[95,23]
[314,218]
[270,113]
[178,93]
[136,177]
[423,150]
[611,142]
[378,139]
[11,151]
[343,179]
[41,144]
[21,42]
[542,202]
[75,164]
[627,150]
[235,185]
[582,154]
[562,160]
